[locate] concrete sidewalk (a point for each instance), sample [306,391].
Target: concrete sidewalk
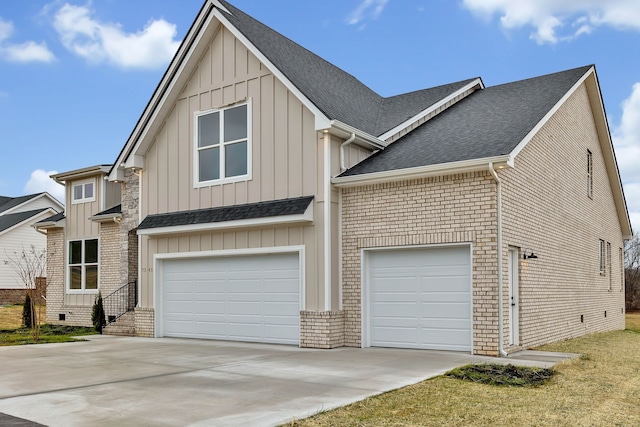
[176,382]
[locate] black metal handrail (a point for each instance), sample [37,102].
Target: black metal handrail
[121,301]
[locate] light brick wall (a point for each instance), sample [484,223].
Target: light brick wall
[145,322]
[546,208]
[110,253]
[55,274]
[458,208]
[321,329]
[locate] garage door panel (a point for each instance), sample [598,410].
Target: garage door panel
[427,304]
[247,298]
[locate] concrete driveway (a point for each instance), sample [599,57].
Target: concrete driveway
[123,381]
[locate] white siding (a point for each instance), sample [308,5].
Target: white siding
[13,241]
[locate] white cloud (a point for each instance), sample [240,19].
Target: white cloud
[375,6]
[40,181]
[555,20]
[98,42]
[28,51]
[626,138]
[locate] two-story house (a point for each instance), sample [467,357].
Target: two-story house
[268,196]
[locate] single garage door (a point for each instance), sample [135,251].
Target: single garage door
[244,298]
[420,298]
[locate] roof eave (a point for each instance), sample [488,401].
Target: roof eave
[344,130]
[115,217]
[423,171]
[62,177]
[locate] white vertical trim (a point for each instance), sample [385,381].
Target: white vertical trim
[327,221]
[514,295]
[340,263]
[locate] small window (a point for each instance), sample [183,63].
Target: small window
[83,192]
[589,174]
[223,146]
[602,257]
[621,261]
[609,269]
[83,265]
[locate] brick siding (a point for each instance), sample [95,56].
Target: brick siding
[321,329]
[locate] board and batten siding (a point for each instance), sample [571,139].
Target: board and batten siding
[287,161]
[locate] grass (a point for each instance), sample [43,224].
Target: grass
[12,332]
[598,389]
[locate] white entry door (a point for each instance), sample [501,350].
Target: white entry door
[514,296]
[252,298]
[419,298]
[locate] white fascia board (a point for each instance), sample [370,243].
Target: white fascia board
[321,120]
[106,218]
[162,92]
[219,5]
[61,178]
[422,171]
[306,217]
[361,137]
[550,114]
[475,83]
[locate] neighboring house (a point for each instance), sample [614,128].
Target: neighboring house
[17,216]
[268,196]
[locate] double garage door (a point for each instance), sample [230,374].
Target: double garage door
[253,298]
[420,298]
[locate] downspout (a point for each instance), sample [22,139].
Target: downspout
[500,296]
[327,220]
[352,138]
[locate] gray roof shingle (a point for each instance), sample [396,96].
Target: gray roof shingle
[114,210]
[10,220]
[55,218]
[338,94]
[7,203]
[295,206]
[489,122]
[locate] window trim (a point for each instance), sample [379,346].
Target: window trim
[621,260]
[609,266]
[590,174]
[196,163]
[68,265]
[83,184]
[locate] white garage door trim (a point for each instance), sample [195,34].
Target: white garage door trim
[159,259]
[366,285]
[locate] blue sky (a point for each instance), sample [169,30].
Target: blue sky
[76,75]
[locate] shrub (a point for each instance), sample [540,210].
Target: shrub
[97,314]
[504,375]
[28,313]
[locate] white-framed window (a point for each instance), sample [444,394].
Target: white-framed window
[83,265]
[609,269]
[222,146]
[589,174]
[83,192]
[602,258]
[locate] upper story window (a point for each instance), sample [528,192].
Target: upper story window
[83,265]
[83,192]
[222,146]
[603,266]
[589,174]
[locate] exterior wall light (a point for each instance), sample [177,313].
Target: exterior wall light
[527,253]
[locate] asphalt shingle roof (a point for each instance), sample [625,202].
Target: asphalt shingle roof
[114,210]
[10,220]
[295,206]
[489,122]
[338,94]
[7,203]
[55,218]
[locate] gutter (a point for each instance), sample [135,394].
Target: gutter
[500,291]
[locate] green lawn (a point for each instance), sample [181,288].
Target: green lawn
[12,332]
[599,389]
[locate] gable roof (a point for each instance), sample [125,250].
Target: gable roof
[488,123]
[326,89]
[11,220]
[9,203]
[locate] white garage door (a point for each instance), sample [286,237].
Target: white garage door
[420,298]
[244,298]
